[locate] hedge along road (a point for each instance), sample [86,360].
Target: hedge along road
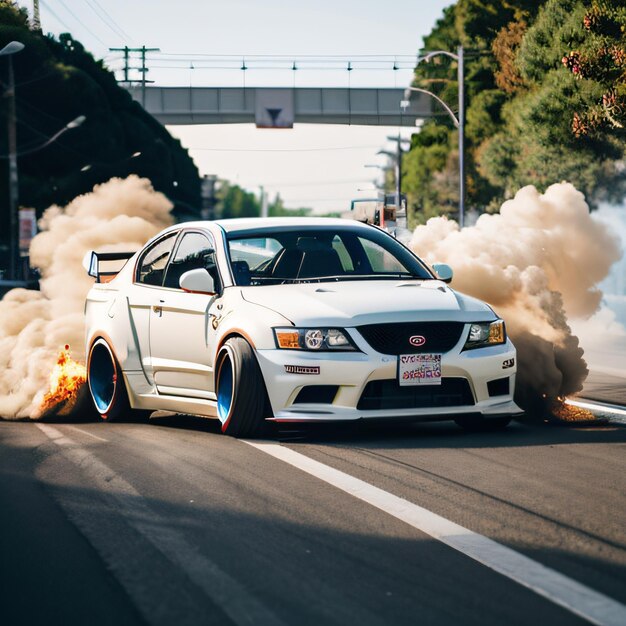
[377,526]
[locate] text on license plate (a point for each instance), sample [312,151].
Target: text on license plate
[419,369]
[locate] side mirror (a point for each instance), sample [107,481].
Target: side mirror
[444,272]
[197,281]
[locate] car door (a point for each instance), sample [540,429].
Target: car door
[145,293]
[181,333]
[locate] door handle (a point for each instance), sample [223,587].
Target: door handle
[158,310]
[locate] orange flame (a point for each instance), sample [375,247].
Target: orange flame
[67,377]
[564,412]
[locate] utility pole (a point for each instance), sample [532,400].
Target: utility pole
[143,70]
[13,180]
[401,216]
[461,81]
[264,204]
[9,50]
[459,121]
[35,22]
[126,51]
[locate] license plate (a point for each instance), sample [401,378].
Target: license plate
[419,369]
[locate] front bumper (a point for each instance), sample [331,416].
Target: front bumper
[351,371]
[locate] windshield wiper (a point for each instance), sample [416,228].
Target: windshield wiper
[342,277]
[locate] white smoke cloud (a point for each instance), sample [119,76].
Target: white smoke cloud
[537,262]
[35,325]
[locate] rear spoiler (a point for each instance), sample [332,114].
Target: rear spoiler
[92,263]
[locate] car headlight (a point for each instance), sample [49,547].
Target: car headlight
[313,339]
[484,334]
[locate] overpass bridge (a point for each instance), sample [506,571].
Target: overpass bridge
[282,107]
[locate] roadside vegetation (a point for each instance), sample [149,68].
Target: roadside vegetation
[56,81]
[545,102]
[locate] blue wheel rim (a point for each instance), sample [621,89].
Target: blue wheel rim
[102,377]
[225,389]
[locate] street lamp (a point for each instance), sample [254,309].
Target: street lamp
[13,185]
[8,51]
[458,122]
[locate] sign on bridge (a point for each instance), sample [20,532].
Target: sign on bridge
[281,108]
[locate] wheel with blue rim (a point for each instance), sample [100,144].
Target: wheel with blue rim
[107,388]
[240,390]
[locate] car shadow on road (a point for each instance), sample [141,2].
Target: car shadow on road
[414,435]
[448,435]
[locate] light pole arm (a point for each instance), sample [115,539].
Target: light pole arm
[73,124]
[436,97]
[435,53]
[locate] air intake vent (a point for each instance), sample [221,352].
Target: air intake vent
[387,394]
[498,387]
[317,394]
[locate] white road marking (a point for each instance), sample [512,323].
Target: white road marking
[618,414]
[80,430]
[591,605]
[225,591]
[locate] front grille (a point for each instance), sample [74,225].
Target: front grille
[388,394]
[394,338]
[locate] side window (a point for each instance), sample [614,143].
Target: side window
[380,259]
[153,262]
[344,255]
[255,252]
[194,251]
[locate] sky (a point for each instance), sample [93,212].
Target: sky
[204,43]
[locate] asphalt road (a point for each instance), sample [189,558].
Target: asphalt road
[607,370]
[172,523]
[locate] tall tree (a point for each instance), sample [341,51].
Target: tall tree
[545,102]
[58,80]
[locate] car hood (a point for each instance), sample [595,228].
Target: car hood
[352,303]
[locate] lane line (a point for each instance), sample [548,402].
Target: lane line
[583,601]
[241,607]
[617,413]
[80,430]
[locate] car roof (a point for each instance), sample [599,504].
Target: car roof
[252,223]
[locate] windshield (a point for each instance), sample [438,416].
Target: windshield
[273,256]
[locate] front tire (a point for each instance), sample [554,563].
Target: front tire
[240,390]
[107,388]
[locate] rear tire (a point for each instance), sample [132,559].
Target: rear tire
[107,387]
[480,424]
[240,390]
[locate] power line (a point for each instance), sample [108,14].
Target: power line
[106,19]
[56,17]
[282,149]
[289,56]
[45,4]
[349,181]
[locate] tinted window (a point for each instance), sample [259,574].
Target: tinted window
[381,261]
[154,260]
[325,253]
[194,251]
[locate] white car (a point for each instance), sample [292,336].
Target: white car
[291,320]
